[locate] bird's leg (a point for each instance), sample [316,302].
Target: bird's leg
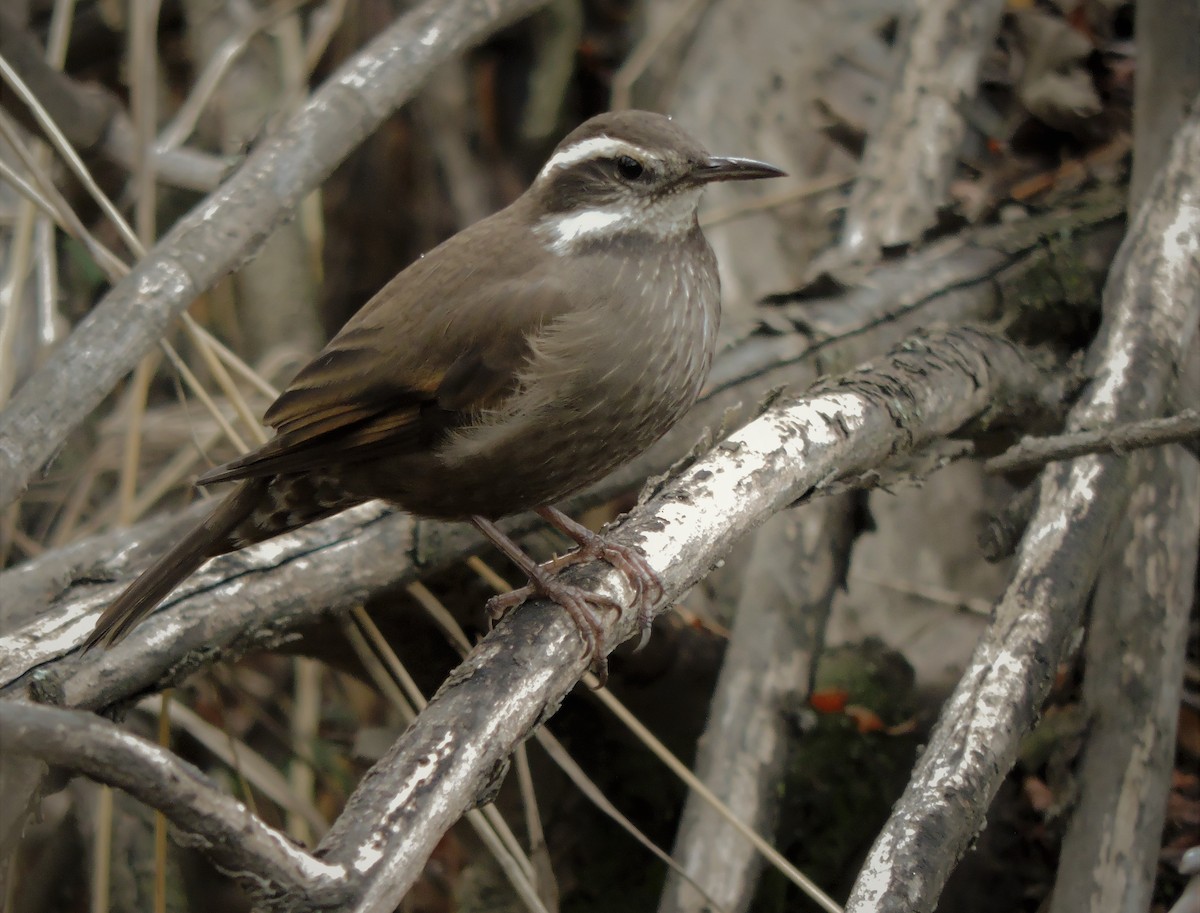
[647,588]
[578,602]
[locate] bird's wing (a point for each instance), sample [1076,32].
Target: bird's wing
[389,384]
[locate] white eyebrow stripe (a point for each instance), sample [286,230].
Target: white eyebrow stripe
[596,147]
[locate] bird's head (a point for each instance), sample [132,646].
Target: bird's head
[628,174]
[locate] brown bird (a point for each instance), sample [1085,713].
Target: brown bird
[514,364]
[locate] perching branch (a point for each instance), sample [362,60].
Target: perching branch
[230,225]
[1153,299]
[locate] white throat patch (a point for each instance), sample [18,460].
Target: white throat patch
[566,231]
[667,217]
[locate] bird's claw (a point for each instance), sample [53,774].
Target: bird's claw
[581,604]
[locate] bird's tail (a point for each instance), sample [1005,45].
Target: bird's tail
[214,535]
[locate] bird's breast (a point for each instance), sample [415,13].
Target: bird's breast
[603,382]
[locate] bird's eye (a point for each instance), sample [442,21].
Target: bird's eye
[629,168]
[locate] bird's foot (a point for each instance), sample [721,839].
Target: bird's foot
[647,588]
[582,605]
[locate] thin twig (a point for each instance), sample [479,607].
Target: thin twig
[1031,453]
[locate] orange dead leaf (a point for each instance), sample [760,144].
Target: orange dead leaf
[829,700]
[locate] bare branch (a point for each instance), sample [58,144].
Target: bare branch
[928,388]
[1138,633]
[1002,532]
[1138,625]
[1152,298]
[1169,78]
[908,164]
[261,858]
[230,225]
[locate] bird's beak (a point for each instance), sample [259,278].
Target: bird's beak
[718,168]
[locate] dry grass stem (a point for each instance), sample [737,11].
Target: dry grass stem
[304,723]
[131,452]
[660,751]
[202,394]
[68,154]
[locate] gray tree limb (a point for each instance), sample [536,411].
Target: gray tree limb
[909,160]
[1032,452]
[1134,660]
[1152,298]
[1137,636]
[238,842]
